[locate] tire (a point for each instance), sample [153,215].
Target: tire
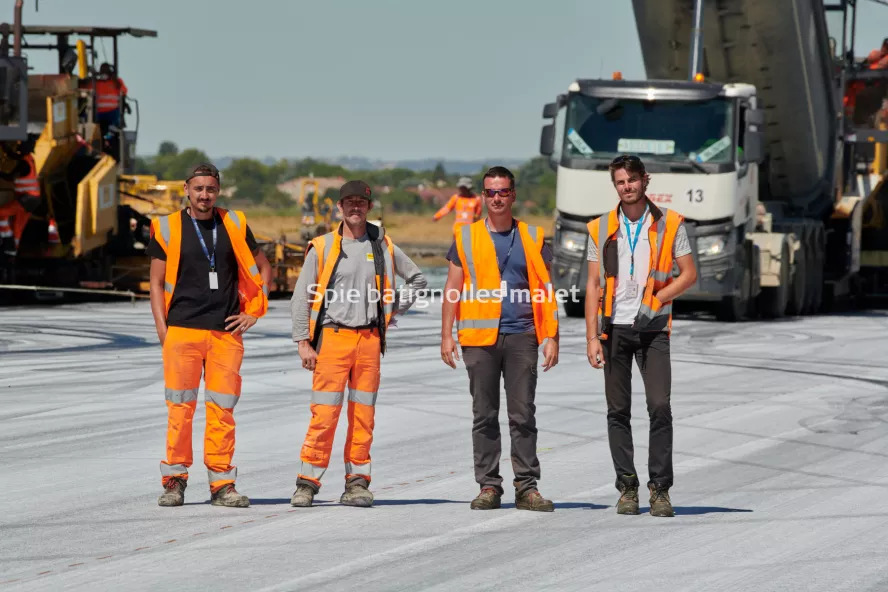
[773,301]
[798,290]
[736,308]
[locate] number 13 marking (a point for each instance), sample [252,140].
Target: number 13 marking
[695,195]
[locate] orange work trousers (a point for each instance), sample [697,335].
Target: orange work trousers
[346,357]
[188,353]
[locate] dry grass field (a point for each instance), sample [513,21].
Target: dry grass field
[412,229]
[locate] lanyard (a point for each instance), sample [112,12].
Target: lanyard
[212,259]
[511,244]
[633,240]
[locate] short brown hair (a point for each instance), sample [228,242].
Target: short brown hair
[499,171]
[629,162]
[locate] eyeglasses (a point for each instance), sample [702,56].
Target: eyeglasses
[493,192]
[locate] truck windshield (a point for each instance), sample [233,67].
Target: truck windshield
[670,130]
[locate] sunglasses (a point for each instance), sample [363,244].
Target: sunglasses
[625,158]
[493,192]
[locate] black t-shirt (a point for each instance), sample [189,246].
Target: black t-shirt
[194,304]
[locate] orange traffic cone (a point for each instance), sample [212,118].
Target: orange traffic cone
[54,232]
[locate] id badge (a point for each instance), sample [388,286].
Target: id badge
[631,289]
[214,281]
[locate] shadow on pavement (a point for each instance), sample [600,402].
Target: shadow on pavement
[413,502]
[698,510]
[569,506]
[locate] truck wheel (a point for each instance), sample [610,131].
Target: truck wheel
[774,299]
[819,262]
[575,309]
[798,296]
[736,308]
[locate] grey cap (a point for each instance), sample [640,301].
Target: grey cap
[465,182]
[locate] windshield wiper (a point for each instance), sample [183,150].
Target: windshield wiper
[697,165]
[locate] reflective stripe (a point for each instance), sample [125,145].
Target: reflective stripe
[226,476]
[254,269]
[390,275]
[328,245]
[362,397]
[181,396]
[309,470]
[646,311]
[265,289]
[223,401]
[326,398]
[602,239]
[356,469]
[168,287]
[478,323]
[165,229]
[467,249]
[234,218]
[172,470]
[532,230]
[661,234]
[314,314]
[660,276]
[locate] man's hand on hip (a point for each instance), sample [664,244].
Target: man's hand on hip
[239,324]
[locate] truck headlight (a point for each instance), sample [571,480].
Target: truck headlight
[710,246]
[572,241]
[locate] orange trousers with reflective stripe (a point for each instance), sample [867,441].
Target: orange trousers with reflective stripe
[188,353]
[346,358]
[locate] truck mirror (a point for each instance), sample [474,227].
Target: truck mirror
[550,111]
[547,140]
[755,117]
[754,146]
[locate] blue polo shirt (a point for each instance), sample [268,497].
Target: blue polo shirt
[517,313]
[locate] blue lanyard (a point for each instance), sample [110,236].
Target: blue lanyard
[633,240]
[511,244]
[212,259]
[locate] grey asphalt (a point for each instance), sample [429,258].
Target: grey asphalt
[781,445]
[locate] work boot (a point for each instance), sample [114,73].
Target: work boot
[174,492]
[532,500]
[488,499]
[303,496]
[229,497]
[356,494]
[660,504]
[628,502]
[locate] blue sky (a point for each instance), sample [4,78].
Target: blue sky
[387,79]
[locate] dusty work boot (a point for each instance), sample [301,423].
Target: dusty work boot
[356,494]
[628,502]
[660,503]
[174,492]
[532,500]
[488,499]
[229,497]
[303,496]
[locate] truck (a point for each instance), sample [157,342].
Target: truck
[742,124]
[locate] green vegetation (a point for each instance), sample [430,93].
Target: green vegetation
[256,183]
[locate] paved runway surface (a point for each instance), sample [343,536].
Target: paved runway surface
[781,459]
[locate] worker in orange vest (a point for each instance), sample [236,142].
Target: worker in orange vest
[14,216]
[466,204]
[209,284]
[629,293]
[499,289]
[342,307]
[110,92]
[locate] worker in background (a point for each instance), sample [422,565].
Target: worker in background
[466,204]
[629,316]
[500,336]
[15,214]
[209,283]
[111,93]
[342,304]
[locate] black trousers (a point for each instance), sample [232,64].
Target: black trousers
[650,351]
[513,357]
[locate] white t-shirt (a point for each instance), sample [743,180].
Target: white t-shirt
[626,304]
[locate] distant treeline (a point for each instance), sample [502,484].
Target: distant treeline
[257,182]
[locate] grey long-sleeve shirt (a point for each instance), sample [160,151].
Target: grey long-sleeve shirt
[349,291]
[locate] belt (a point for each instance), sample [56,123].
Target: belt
[337,327]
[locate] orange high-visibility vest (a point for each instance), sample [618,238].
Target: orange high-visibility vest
[653,315]
[480,305]
[28,185]
[108,94]
[467,209]
[329,248]
[167,230]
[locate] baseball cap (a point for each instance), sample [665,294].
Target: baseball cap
[465,182]
[203,170]
[358,188]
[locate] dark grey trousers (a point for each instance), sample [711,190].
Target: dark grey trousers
[650,350]
[513,357]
